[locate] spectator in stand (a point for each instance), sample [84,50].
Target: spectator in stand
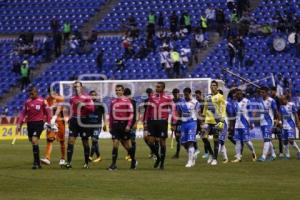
[240,51]
[150,43]
[54,24]
[160,21]
[73,45]
[99,60]
[93,37]
[187,21]
[48,48]
[25,75]
[16,67]
[232,51]
[151,23]
[203,23]
[230,4]
[127,46]
[220,20]
[175,57]
[57,38]
[210,14]
[67,31]
[173,23]
[241,6]
[194,50]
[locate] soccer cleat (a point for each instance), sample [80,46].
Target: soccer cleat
[189,164]
[298,156]
[68,165]
[98,159]
[261,159]
[225,161]
[128,158]
[196,154]
[210,159]
[156,163]
[254,158]
[205,156]
[112,167]
[45,161]
[281,155]
[62,162]
[176,156]
[214,162]
[85,166]
[162,166]
[272,158]
[237,160]
[287,158]
[35,166]
[90,158]
[134,164]
[150,155]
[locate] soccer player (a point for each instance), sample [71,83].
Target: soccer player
[187,109]
[81,106]
[176,99]
[223,135]
[243,124]
[214,112]
[95,119]
[200,106]
[156,121]
[268,112]
[36,113]
[277,128]
[54,102]
[290,121]
[120,123]
[142,111]
[127,93]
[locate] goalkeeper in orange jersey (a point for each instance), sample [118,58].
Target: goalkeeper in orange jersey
[57,124]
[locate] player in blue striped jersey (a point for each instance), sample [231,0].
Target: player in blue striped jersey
[268,114]
[290,121]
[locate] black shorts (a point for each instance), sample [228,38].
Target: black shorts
[35,129]
[76,128]
[212,130]
[118,130]
[158,128]
[94,132]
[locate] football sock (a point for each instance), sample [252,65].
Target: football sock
[216,149]
[196,145]
[48,150]
[294,144]
[162,154]
[265,150]
[208,147]
[86,149]
[154,150]
[114,155]
[62,149]
[178,145]
[238,147]
[70,152]
[280,145]
[191,153]
[133,147]
[287,151]
[250,146]
[272,150]
[205,148]
[36,156]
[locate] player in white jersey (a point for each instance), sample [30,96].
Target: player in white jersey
[290,121]
[268,114]
[243,124]
[187,110]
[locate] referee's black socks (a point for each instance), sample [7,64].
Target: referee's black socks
[114,155]
[36,154]
[70,152]
[86,149]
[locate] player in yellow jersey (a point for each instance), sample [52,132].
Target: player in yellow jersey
[214,112]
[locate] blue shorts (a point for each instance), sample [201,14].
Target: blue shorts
[288,134]
[242,134]
[188,132]
[266,132]
[223,134]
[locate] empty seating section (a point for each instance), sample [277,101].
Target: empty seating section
[268,8]
[264,63]
[35,15]
[141,9]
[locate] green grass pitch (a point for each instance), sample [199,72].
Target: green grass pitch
[279,179]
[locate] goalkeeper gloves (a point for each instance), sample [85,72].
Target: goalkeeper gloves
[220,125]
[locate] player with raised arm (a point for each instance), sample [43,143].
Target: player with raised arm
[95,120]
[54,102]
[214,113]
[36,113]
[243,124]
[268,113]
[187,110]
[290,121]
[156,122]
[120,122]
[81,106]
